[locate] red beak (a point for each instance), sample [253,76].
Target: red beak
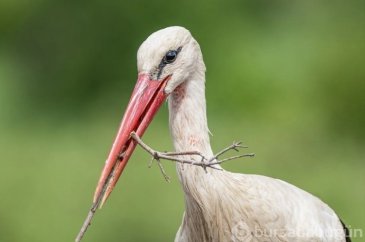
[147,97]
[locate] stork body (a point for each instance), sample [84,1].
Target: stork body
[220,205]
[226,206]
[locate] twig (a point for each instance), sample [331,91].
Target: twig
[88,219]
[185,153]
[151,162]
[232,158]
[93,208]
[168,155]
[204,163]
[234,146]
[167,178]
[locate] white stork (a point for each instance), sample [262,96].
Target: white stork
[219,205]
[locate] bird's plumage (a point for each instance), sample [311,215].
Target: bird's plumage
[221,205]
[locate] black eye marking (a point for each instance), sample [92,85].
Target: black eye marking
[169,58]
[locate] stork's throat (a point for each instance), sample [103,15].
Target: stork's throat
[179,92]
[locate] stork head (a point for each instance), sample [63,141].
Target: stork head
[170,53]
[166,59]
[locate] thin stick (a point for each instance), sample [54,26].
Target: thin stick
[87,221]
[94,207]
[167,178]
[233,158]
[234,146]
[204,163]
[167,155]
[185,153]
[151,162]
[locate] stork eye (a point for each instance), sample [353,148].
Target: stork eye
[170,56]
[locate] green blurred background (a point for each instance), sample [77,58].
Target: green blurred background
[286,77]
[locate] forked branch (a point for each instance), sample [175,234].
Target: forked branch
[201,161]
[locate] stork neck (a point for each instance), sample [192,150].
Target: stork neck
[189,131]
[188,119]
